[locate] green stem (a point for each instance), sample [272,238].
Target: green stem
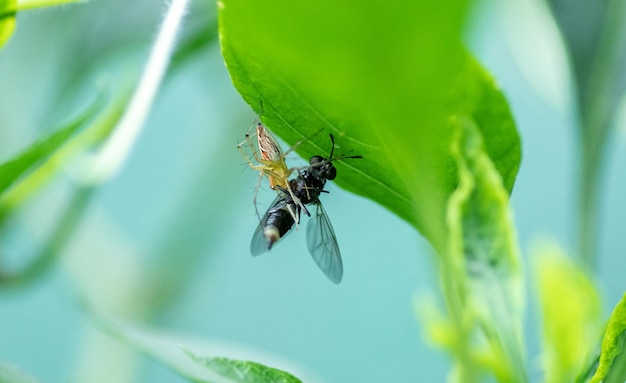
[203,35]
[112,157]
[588,212]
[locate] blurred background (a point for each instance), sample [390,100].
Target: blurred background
[166,243]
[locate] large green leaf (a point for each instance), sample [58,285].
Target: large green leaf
[384,78]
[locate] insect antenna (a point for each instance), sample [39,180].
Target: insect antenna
[332,151]
[332,148]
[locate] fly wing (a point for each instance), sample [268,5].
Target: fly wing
[322,244]
[259,243]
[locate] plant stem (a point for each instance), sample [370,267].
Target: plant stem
[109,161]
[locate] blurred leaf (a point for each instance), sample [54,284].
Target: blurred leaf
[239,371]
[570,307]
[33,4]
[476,96]
[7,19]
[482,271]
[383,79]
[60,235]
[10,374]
[163,348]
[539,52]
[168,350]
[37,165]
[9,8]
[97,131]
[21,164]
[612,366]
[595,33]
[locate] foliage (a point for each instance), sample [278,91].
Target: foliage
[371,96]
[440,149]
[245,371]
[482,270]
[612,365]
[38,161]
[597,62]
[570,305]
[195,366]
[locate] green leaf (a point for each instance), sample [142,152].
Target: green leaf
[481,271]
[197,38]
[45,159]
[31,170]
[7,19]
[570,307]
[172,351]
[612,366]
[33,4]
[383,80]
[9,8]
[244,371]
[476,96]
[598,57]
[10,374]
[24,162]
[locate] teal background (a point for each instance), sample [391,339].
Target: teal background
[180,215]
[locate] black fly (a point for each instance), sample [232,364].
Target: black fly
[287,207]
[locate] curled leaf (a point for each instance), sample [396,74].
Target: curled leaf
[482,267]
[10,374]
